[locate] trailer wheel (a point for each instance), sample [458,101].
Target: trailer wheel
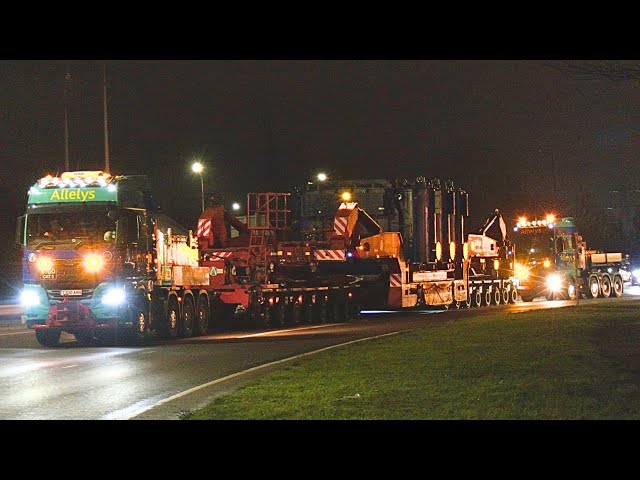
[618,286]
[594,287]
[202,315]
[504,298]
[513,295]
[188,317]
[49,337]
[296,313]
[495,295]
[486,298]
[267,317]
[281,313]
[322,311]
[455,305]
[477,297]
[339,310]
[308,313]
[606,287]
[526,298]
[467,303]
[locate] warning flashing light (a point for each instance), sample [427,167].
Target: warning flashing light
[77,179]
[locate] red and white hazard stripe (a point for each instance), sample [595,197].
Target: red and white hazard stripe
[329,254]
[340,225]
[204,227]
[221,254]
[395,280]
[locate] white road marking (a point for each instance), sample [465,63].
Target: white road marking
[274,332]
[16,333]
[127,414]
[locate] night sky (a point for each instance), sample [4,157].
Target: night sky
[517,135]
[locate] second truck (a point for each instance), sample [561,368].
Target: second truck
[552,260]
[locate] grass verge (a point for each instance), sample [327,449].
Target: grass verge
[566,363]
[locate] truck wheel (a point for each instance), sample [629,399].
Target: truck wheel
[48,338]
[526,298]
[618,286]
[188,317]
[606,287]
[549,296]
[571,291]
[513,295]
[171,324]
[594,287]
[202,315]
[455,305]
[84,338]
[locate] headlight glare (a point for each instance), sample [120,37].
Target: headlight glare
[114,296]
[29,298]
[554,283]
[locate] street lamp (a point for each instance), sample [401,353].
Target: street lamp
[198,168]
[321,177]
[235,206]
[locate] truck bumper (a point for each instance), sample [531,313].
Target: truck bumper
[70,316]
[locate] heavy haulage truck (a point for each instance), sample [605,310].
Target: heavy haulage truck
[552,260]
[408,244]
[101,260]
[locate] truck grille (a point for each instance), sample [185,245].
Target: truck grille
[56,294]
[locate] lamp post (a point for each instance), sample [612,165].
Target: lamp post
[198,168]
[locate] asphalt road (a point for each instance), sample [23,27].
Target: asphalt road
[163,379]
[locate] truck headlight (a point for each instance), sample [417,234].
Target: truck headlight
[93,263]
[29,298]
[554,283]
[114,296]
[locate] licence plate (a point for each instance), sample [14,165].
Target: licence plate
[70,293]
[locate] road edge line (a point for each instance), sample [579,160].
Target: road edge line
[250,370]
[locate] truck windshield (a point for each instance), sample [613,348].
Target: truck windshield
[72,228]
[534,247]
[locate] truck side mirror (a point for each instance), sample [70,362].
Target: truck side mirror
[20,230]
